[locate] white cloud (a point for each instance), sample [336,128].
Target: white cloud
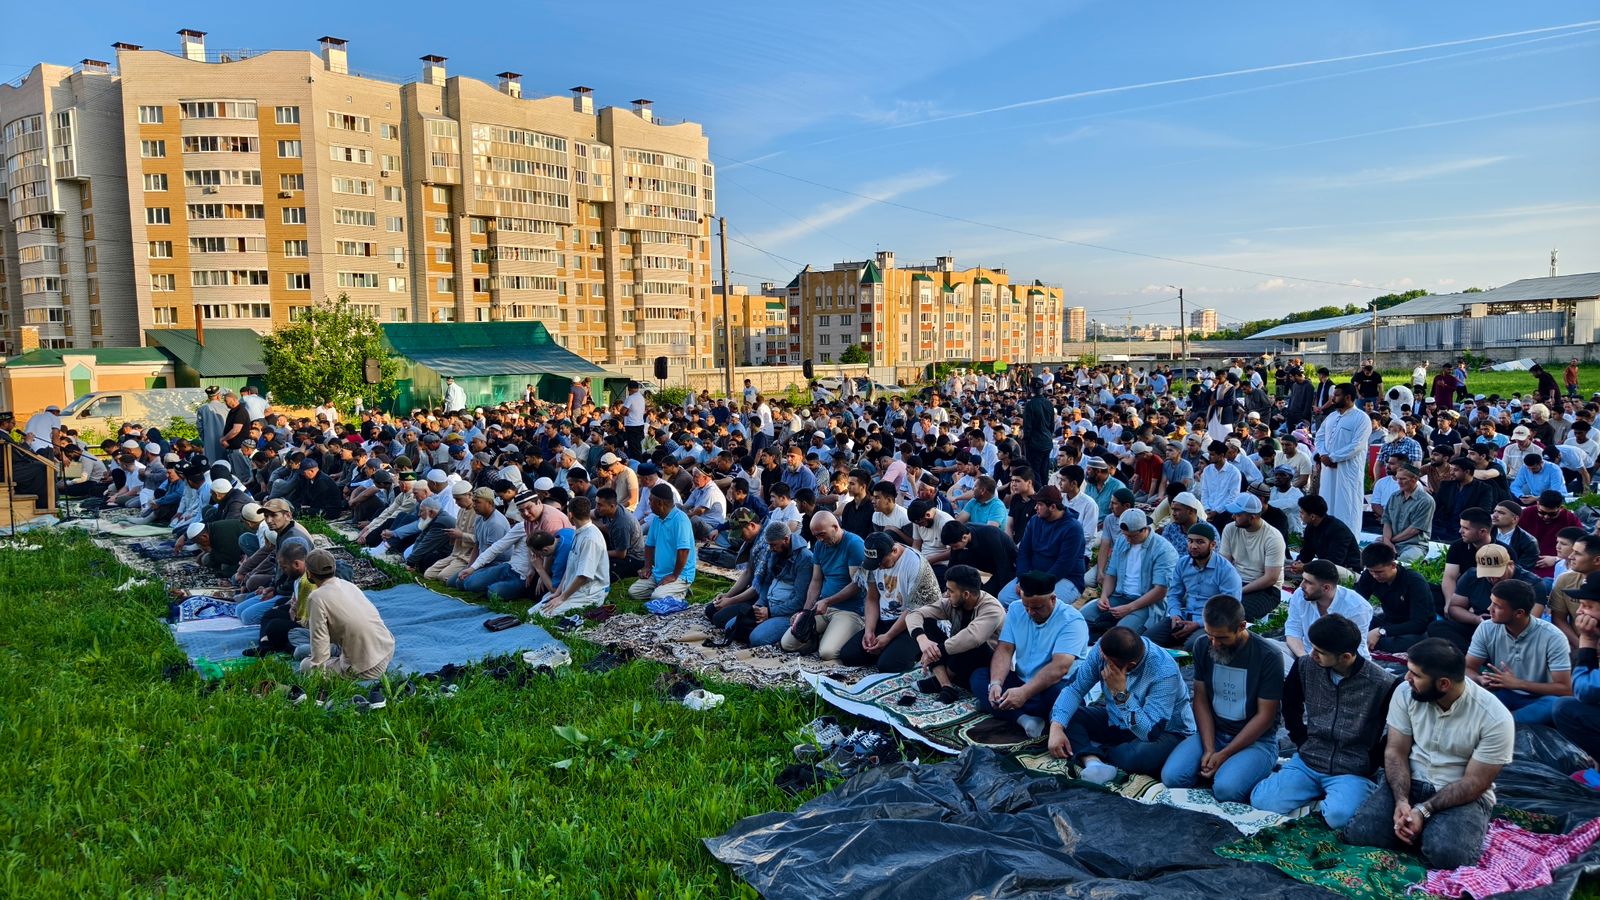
[1396,174]
[900,113]
[832,213]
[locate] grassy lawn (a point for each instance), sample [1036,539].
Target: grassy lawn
[119,782]
[1507,383]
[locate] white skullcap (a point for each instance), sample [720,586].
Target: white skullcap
[459,487]
[195,529]
[436,476]
[221,485]
[152,447]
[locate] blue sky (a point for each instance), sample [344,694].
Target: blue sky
[1014,129]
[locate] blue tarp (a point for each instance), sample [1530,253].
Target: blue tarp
[430,630]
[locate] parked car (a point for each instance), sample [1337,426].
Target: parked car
[105,410]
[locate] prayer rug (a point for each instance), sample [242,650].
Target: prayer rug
[1514,859]
[924,720]
[430,630]
[1309,851]
[689,641]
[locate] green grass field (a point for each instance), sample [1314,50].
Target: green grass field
[118,782]
[1507,383]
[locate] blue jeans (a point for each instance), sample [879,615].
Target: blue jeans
[1527,709]
[1579,722]
[1066,592]
[1090,732]
[768,633]
[480,581]
[251,611]
[1037,705]
[1297,784]
[1235,778]
[1140,621]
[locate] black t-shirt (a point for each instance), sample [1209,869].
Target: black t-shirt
[1408,605]
[988,551]
[1255,673]
[1021,510]
[1367,383]
[856,518]
[239,415]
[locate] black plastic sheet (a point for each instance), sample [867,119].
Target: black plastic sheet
[969,827]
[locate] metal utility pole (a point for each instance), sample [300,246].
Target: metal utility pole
[1375,334]
[727,320]
[1183,326]
[1096,329]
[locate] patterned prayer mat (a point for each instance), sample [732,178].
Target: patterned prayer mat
[1309,851]
[688,640]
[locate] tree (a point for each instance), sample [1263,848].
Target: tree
[322,356]
[856,353]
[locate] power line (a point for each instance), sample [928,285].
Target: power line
[1047,237]
[791,215]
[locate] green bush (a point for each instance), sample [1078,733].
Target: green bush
[671,397]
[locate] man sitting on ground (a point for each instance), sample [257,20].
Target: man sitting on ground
[1523,661]
[1052,542]
[1578,717]
[1468,607]
[898,579]
[1321,593]
[1238,685]
[339,615]
[1334,705]
[1201,574]
[1408,516]
[975,620]
[1404,596]
[1257,551]
[1326,538]
[671,550]
[1040,641]
[1134,589]
[1448,740]
[988,550]
[1146,710]
[834,602]
[587,577]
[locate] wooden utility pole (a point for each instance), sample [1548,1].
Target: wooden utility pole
[727,320]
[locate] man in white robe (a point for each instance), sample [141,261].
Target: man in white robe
[1342,441]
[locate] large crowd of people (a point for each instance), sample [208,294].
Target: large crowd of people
[1044,538]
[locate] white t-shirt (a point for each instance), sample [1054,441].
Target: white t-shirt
[930,536]
[896,519]
[633,409]
[895,584]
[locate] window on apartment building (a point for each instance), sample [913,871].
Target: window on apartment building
[358,279]
[441,225]
[348,122]
[298,281]
[825,339]
[160,249]
[153,149]
[155,181]
[397,254]
[444,286]
[389,132]
[151,115]
[163,282]
[846,319]
[824,321]
[442,255]
[389,162]
[157,215]
[397,285]
[164,315]
[480,226]
[393,193]
[294,215]
[296,249]
[295,182]
[288,115]
[441,195]
[399,314]
[597,290]
[88,224]
[394,224]
[288,149]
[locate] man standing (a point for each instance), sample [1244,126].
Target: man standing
[1448,740]
[1238,685]
[455,399]
[1038,432]
[1042,638]
[1146,712]
[1334,703]
[1342,441]
[633,420]
[210,417]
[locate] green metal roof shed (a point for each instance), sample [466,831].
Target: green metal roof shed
[229,358]
[492,361]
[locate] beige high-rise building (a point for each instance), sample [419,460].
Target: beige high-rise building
[760,325]
[1203,321]
[1077,323]
[258,184]
[913,315]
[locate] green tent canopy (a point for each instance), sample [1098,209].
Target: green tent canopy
[492,361]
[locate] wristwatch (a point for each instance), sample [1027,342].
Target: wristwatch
[1120,696]
[1423,811]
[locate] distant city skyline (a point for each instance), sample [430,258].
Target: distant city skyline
[1334,153]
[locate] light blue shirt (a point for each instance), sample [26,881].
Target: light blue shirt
[1157,702]
[668,536]
[992,513]
[1192,586]
[1529,484]
[1064,632]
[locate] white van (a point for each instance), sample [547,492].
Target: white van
[105,410]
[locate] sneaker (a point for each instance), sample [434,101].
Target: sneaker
[1033,725]
[1099,772]
[929,685]
[374,698]
[554,656]
[296,695]
[949,694]
[703,699]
